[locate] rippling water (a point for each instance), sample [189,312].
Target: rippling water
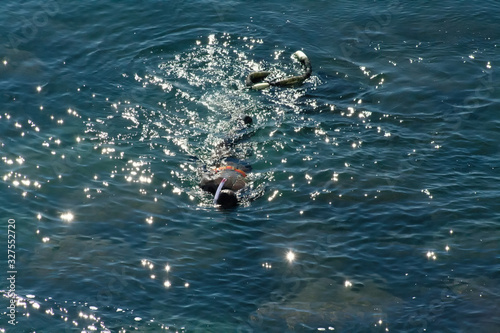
[373,204]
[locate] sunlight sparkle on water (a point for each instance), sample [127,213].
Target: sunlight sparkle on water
[335,177]
[68,217]
[290,256]
[273,195]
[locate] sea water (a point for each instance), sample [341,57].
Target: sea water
[373,201]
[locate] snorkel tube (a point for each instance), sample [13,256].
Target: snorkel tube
[217,193]
[225,198]
[254,80]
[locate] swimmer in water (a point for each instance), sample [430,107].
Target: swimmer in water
[226,180]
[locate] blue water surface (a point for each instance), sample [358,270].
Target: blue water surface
[372,206]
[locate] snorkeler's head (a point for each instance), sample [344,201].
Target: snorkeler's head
[227,199]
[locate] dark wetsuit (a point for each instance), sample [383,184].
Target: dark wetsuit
[235,178]
[234,173]
[231,169]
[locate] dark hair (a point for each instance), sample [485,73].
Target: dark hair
[227,199]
